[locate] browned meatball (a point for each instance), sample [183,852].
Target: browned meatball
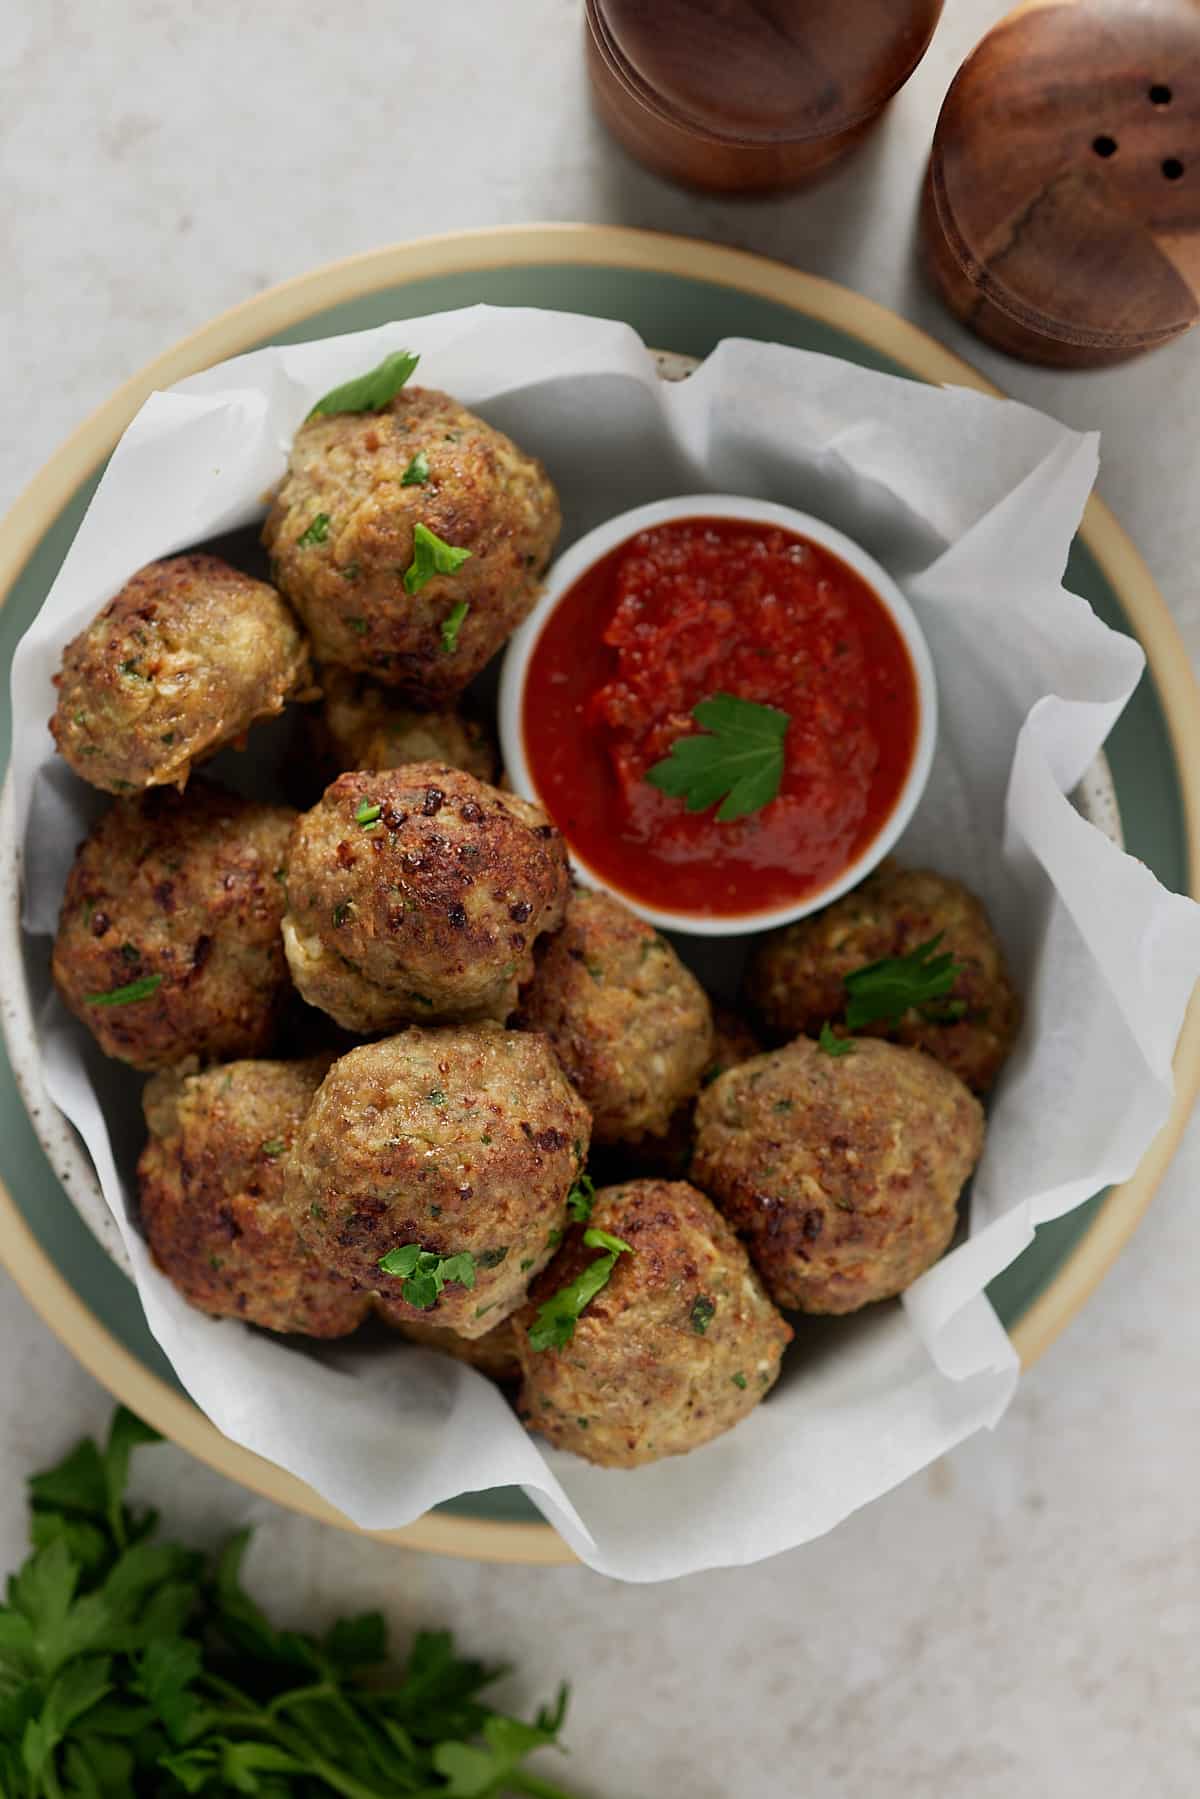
[494,1354]
[795,981]
[843,1173]
[210,1182]
[168,940]
[629,1023]
[677,1348]
[343,527]
[364,725]
[417,893]
[460,1140]
[183,660]
[670,1156]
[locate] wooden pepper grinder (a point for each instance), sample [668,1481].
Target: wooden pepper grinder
[1061,211]
[749,95]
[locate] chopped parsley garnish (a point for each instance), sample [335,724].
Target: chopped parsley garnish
[129,994]
[274,1146]
[436,1097]
[431,556]
[887,989]
[704,1310]
[370,392]
[317,532]
[367,813]
[417,472]
[834,1046]
[581,1199]
[739,1380]
[554,1325]
[358,626]
[423,1275]
[452,625]
[736,758]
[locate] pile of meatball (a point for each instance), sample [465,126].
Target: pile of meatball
[390,1024]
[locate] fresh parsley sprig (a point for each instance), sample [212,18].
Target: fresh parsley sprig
[554,1323]
[130,1667]
[423,1274]
[884,991]
[736,758]
[431,556]
[370,392]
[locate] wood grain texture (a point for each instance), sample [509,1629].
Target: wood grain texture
[1061,209]
[749,97]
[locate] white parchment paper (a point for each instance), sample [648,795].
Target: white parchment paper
[972,504]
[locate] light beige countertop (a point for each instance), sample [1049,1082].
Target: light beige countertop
[1022,1620]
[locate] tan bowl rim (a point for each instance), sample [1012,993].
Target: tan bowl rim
[259,319]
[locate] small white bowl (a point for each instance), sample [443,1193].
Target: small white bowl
[575,561]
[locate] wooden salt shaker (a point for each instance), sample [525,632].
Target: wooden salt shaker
[1061,210]
[750,95]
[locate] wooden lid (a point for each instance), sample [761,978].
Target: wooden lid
[1065,175]
[775,71]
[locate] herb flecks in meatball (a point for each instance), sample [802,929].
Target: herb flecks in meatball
[210,1184]
[169,941]
[629,1023]
[797,977]
[842,1172]
[367,584]
[183,660]
[462,1140]
[416,894]
[677,1347]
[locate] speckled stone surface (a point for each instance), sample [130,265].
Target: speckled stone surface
[1025,1618]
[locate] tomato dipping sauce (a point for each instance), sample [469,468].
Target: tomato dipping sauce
[682,611]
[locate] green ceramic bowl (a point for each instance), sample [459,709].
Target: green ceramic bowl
[683,296]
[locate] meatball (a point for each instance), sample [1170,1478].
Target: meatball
[456,1140]
[168,940]
[795,981]
[494,1354]
[343,532]
[670,1155]
[417,893]
[183,660]
[677,1348]
[841,1172]
[210,1182]
[629,1023]
[364,725]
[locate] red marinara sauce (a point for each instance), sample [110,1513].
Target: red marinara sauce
[675,614]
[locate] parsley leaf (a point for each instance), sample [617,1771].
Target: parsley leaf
[582,1198]
[452,625]
[367,813]
[370,392]
[417,472]
[431,556]
[126,996]
[703,1311]
[887,989]
[423,1274]
[554,1323]
[834,1046]
[737,758]
[316,532]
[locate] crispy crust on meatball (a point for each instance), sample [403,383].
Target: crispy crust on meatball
[494,1354]
[363,725]
[795,981]
[458,1139]
[185,894]
[347,580]
[629,1023]
[678,1347]
[427,910]
[210,1182]
[843,1173]
[181,661]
